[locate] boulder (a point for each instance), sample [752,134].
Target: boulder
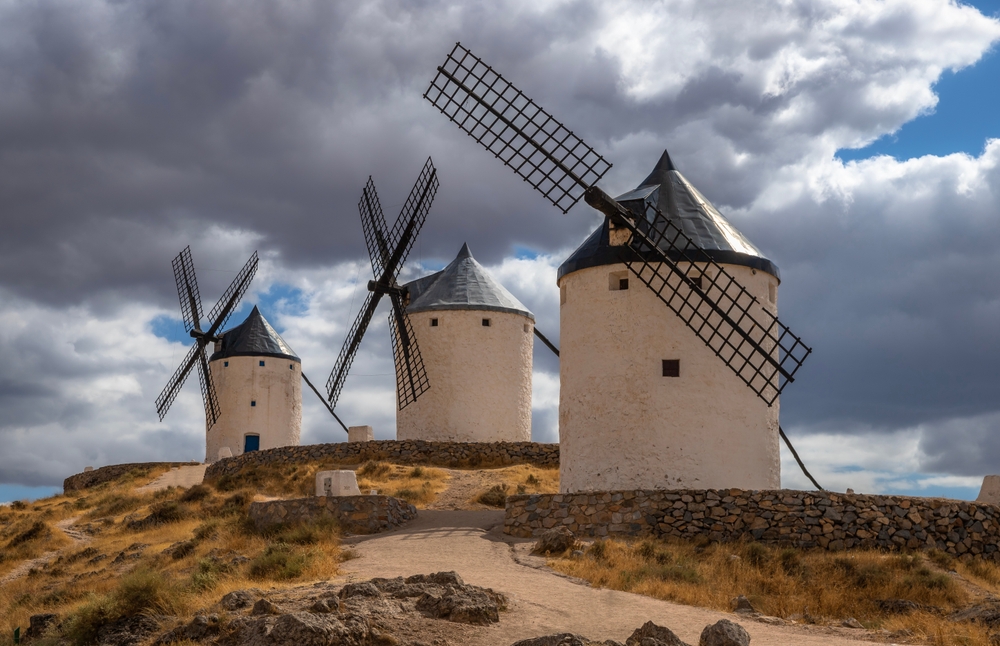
[555,541]
[325,606]
[201,627]
[649,634]
[127,631]
[724,633]
[563,639]
[38,624]
[364,589]
[298,629]
[465,605]
[264,607]
[238,599]
[742,605]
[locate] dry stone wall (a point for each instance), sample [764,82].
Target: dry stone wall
[442,454]
[354,514]
[112,472]
[803,519]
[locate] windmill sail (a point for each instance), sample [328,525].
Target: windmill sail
[754,344]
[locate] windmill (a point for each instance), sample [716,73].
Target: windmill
[729,319]
[191,313]
[388,250]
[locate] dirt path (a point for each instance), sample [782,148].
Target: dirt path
[78,538]
[187,476]
[462,486]
[542,601]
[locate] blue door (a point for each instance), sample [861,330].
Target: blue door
[251,443]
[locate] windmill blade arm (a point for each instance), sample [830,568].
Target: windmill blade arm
[751,341]
[411,376]
[187,290]
[325,403]
[351,344]
[518,132]
[176,382]
[412,216]
[212,409]
[231,298]
[375,229]
[548,344]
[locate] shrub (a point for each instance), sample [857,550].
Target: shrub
[598,549]
[495,496]
[306,533]
[37,531]
[114,505]
[532,480]
[374,469]
[417,472]
[196,493]
[139,591]
[278,561]
[165,512]
[19,505]
[206,530]
[757,555]
[236,503]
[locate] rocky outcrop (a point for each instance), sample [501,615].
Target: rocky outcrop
[354,514]
[806,519]
[724,633]
[113,472]
[554,541]
[441,454]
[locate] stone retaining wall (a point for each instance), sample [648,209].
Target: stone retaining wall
[826,520]
[113,472]
[354,514]
[442,454]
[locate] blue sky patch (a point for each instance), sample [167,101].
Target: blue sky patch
[12,492]
[965,117]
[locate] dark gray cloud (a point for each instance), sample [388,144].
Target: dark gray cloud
[129,130]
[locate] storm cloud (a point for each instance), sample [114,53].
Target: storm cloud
[129,130]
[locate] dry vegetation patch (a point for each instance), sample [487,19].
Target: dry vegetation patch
[804,586]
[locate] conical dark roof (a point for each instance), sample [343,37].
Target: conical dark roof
[682,203]
[463,285]
[254,337]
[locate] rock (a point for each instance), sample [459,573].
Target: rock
[38,624]
[555,541]
[577,553]
[324,606]
[180,550]
[264,607]
[365,589]
[984,614]
[851,622]
[724,633]
[439,578]
[238,599]
[902,606]
[201,627]
[127,631]
[649,634]
[563,639]
[300,629]
[742,605]
[465,604]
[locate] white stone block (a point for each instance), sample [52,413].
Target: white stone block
[337,483]
[990,491]
[225,452]
[360,434]
[87,469]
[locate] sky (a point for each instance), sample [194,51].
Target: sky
[854,142]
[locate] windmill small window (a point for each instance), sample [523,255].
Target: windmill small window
[291,366]
[695,277]
[486,322]
[434,322]
[253,402]
[262,362]
[618,281]
[225,364]
[671,368]
[772,292]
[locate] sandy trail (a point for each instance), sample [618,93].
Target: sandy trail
[78,538]
[542,601]
[186,476]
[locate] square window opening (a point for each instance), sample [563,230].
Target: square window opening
[696,279]
[434,322]
[671,368]
[291,366]
[618,281]
[486,322]
[253,402]
[527,327]
[225,364]
[261,363]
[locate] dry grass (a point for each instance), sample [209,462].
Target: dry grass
[86,587]
[417,485]
[811,586]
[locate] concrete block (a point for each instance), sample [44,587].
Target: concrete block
[88,469]
[337,483]
[360,434]
[990,491]
[225,452]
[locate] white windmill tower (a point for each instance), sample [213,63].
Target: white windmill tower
[640,404]
[476,340]
[250,385]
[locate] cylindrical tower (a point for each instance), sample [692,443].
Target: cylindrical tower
[644,403]
[258,382]
[476,341]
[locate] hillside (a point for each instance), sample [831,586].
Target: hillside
[127,562]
